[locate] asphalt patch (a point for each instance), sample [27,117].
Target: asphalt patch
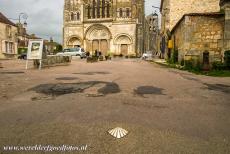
[66,78]
[16,72]
[109,88]
[68,88]
[92,73]
[148,90]
[218,87]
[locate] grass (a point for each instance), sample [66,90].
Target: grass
[214,73]
[219,73]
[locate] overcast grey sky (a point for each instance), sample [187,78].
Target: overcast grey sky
[45,16]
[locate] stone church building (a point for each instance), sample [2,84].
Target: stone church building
[109,26]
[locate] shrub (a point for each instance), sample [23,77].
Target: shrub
[101,58]
[22,50]
[217,65]
[92,59]
[188,64]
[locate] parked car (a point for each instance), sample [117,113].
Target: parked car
[22,56]
[73,52]
[147,56]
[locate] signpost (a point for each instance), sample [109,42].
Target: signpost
[35,51]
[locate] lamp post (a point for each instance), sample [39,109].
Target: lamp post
[21,27]
[24,16]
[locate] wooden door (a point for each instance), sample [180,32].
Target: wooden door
[95,45]
[124,49]
[104,47]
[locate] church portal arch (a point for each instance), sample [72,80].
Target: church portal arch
[74,41]
[123,43]
[98,38]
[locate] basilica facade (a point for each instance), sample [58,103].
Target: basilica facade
[109,26]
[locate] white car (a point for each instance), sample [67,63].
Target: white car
[147,56]
[73,52]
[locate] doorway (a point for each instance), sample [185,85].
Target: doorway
[104,46]
[124,49]
[95,45]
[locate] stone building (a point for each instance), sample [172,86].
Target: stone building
[197,34]
[151,34]
[203,36]
[8,38]
[172,11]
[114,26]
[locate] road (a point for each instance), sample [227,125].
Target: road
[164,110]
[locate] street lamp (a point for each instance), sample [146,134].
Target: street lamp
[23,16]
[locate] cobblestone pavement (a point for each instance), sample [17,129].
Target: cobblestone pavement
[165,110]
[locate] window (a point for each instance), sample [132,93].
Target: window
[9,47]
[72,16]
[89,10]
[94,9]
[98,9]
[78,15]
[108,10]
[8,30]
[75,16]
[103,8]
[120,12]
[127,12]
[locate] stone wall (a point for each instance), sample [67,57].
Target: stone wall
[199,33]
[9,36]
[174,9]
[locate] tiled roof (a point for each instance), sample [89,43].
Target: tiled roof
[3,19]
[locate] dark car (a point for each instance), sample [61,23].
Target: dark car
[22,56]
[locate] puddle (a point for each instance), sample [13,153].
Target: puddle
[68,88]
[148,90]
[92,73]
[67,78]
[218,87]
[18,72]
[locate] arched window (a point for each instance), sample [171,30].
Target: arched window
[127,12]
[103,8]
[89,10]
[94,9]
[72,16]
[108,10]
[78,16]
[98,8]
[120,12]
